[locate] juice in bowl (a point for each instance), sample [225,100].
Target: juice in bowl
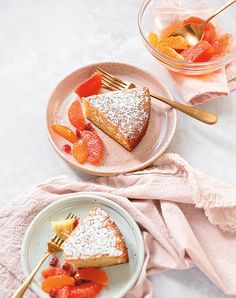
[158,19]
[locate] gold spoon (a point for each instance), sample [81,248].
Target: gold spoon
[193,33]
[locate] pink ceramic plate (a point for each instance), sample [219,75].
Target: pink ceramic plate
[116,160]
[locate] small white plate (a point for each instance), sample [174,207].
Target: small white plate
[121,277]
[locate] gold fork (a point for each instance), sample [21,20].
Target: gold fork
[113,83]
[54,246]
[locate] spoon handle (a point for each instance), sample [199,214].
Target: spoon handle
[227,4]
[206,117]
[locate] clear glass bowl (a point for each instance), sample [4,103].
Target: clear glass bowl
[151,16]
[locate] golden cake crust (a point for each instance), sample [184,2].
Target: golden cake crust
[96,242]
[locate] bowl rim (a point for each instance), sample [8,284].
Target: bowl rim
[193,66]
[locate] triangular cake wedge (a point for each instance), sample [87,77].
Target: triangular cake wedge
[123,115]
[95,242]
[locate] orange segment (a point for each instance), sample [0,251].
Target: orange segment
[76,116]
[65,132]
[153,39]
[95,146]
[52,271]
[93,274]
[176,42]
[80,151]
[57,282]
[163,47]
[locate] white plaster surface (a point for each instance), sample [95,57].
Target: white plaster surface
[40,43]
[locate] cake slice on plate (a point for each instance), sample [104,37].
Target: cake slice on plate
[64,227]
[123,115]
[95,242]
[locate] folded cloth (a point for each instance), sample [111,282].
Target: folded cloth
[186,217]
[195,89]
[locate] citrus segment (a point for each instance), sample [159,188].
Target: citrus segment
[52,271]
[65,132]
[163,47]
[153,39]
[221,43]
[209,30]
[90,87]
[86,290]
[201,52]
[80,151]
[76,116]
[176,42]
[57,282]
[94,145]
[93,274]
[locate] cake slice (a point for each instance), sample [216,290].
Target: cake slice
[95,242]
[64,227]
[123,115]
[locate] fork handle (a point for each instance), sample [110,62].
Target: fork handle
[20,292]
[206,117]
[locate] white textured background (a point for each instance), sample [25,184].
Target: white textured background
[40,43]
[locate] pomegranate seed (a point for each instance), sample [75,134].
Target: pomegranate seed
[53,293]
[73,272]
[81,281]
[54,261]
[77,132]
[78,282]
[88,126]
[67,266]
[66,148]
[75,223]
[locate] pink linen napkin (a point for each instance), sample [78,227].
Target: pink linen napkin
[187,219]
[195,89]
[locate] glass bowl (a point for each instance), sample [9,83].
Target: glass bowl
[155,15]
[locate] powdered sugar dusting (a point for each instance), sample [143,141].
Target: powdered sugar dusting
[126,109]
[93,237]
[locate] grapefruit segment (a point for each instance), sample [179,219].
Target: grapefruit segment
[93,274]
[76,116]
[87,290]
[201,52]
[94,145]
[91,86]
[210,31]
[221,43]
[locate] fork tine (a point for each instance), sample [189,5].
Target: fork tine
[57,240]
[55,243]
[108,86]
[111,83]
[53,237]
[60,242]
[68,216]
[112,78]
